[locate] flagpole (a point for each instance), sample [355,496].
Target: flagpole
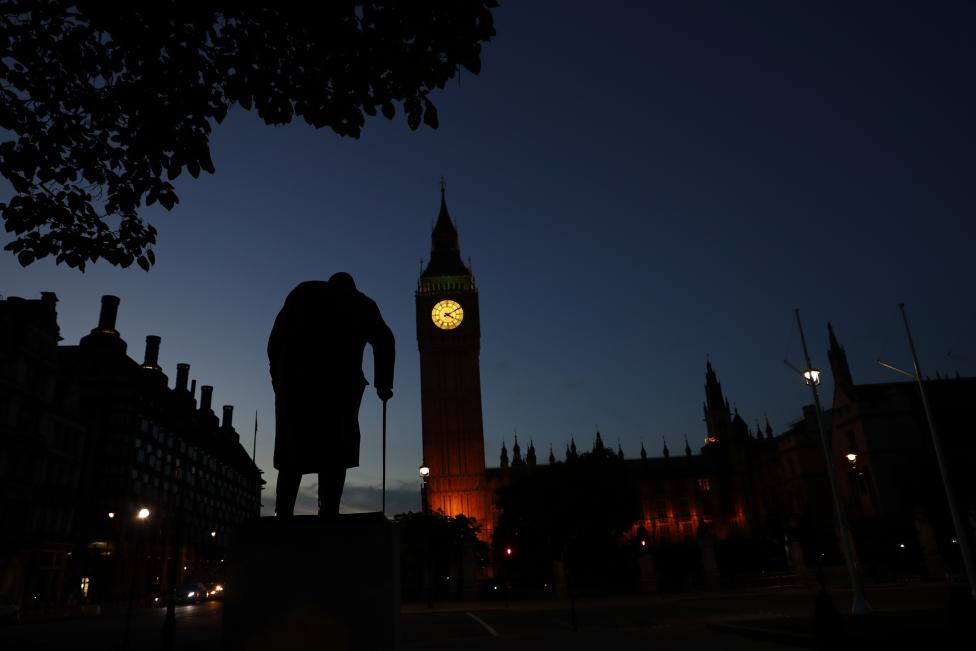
[962,536]
[859,605]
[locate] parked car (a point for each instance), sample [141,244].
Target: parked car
[191,593]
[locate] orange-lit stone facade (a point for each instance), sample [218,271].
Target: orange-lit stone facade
[449,340]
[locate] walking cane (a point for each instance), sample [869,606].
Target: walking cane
[384,457]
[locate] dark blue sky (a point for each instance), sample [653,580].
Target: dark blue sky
[636,189]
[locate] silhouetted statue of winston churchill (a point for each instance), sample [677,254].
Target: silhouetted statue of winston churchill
[316,354]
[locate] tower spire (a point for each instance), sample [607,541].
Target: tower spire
[445,250]
[839,367]
[718,416]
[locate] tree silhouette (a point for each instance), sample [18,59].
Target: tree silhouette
[104,104]
[436,543]
[576,512]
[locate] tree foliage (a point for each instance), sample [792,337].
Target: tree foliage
[575,512]
[104,104]
[436,544]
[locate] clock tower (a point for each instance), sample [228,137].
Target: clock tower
[449,339]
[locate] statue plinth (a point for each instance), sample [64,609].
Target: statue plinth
[309,582]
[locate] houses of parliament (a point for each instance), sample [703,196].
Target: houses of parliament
[743,485]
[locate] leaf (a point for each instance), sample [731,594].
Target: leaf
[25,258]
[430,114]
[205,161]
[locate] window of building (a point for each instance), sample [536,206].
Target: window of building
[704,485]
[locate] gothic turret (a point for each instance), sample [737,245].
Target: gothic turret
[530,455]
[839,367]
[516,454]
[503,461]
[718,419]
[571,452]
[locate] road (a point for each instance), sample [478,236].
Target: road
[602,623]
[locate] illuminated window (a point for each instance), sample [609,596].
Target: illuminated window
[84,587]
[704,486]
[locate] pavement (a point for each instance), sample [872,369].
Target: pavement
[773,618]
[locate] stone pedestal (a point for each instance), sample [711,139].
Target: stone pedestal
[311,583]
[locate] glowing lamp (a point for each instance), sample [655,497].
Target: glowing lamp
[424,472]
[508,551]
[111,514]
[143,513]
[213,534]
[851,457]
[812,376]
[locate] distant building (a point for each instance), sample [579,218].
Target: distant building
[449,340]
[88,437]
[883,453]
[766,491]
[42,451]
[684,494]
[717,487]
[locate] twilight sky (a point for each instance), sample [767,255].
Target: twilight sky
[636,189]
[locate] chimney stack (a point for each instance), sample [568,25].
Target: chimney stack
[228,417]
[206,393]
[182,375]
[193,389]
[107,315]
[151,360]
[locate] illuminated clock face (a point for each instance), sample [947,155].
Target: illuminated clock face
[447,315]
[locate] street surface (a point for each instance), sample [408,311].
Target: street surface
[607,623]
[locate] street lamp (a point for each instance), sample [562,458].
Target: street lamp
[424,472]
[851,457]
[811,375]
[141,516]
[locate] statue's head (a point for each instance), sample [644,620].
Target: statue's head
[343,281]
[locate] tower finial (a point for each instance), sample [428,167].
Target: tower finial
[443,185]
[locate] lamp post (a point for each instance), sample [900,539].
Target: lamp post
[859,605]
[141,516]
[424,472]
[175,540]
